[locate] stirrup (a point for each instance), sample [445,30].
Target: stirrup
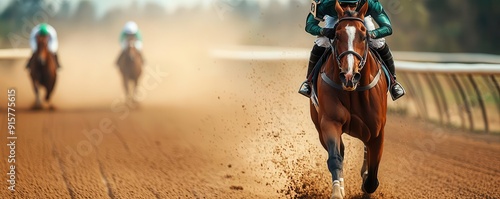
[305,89]
[396,94]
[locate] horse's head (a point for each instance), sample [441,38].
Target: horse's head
[42,43]
[350,45]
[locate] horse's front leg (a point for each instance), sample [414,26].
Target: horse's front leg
[125,86]
[38,102]
[375,149]
[331,132]
[315,119]
[134,92]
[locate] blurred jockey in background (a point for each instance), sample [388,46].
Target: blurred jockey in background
[131,33]
[44,29]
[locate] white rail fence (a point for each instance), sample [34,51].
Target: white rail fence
[15,54]
[458,90]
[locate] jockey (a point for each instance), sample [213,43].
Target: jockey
[327,8]
[131,30]
[44,29]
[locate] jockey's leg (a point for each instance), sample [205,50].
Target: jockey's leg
[386,55]
[397,90]
[57,60]
[30,61]
[120,57]
[316,53]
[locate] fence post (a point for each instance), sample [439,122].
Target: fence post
[464,99]
[481,103]
[435,96]
[457,100]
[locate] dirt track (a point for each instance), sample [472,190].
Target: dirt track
[229,137]
[211,129]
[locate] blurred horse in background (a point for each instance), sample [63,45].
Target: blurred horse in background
[130,63]
[43,71]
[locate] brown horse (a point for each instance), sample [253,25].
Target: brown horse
[130,64]
[352,98]
[43,70]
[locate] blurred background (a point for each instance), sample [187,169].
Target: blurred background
[432,26]
[219,115]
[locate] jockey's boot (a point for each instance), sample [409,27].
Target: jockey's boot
[57,61]
[316,52]
[120,57]
[396,89]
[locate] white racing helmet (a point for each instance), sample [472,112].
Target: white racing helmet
[130,28]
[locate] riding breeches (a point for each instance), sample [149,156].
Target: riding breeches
[137,45]
[330,22]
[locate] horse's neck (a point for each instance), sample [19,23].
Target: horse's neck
[44,55]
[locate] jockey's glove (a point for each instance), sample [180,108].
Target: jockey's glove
[328,32]
[372,34]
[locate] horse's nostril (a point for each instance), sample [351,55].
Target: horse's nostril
[342,77]
[357,77]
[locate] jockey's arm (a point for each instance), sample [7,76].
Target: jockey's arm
[378,14]
[312,24]
[138,36]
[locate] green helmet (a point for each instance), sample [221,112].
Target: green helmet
[43,31]
[348,1]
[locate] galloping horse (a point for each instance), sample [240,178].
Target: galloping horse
[43,69]
[352,98]
[130,64]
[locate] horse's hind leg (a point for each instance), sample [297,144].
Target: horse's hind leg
[50,89]
[38,102]
[375,148]
[134,92]
[341,179]
[331,133]
[125,85]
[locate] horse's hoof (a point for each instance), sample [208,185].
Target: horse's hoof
[337,190]
[52,108]
[368,187]
[36,107]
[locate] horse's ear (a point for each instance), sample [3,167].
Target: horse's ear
[363,10]
[338,9]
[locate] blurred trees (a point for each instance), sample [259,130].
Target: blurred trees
[419,25]
[85,13]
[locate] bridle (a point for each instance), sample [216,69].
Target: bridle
[362,59]
[347,52]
